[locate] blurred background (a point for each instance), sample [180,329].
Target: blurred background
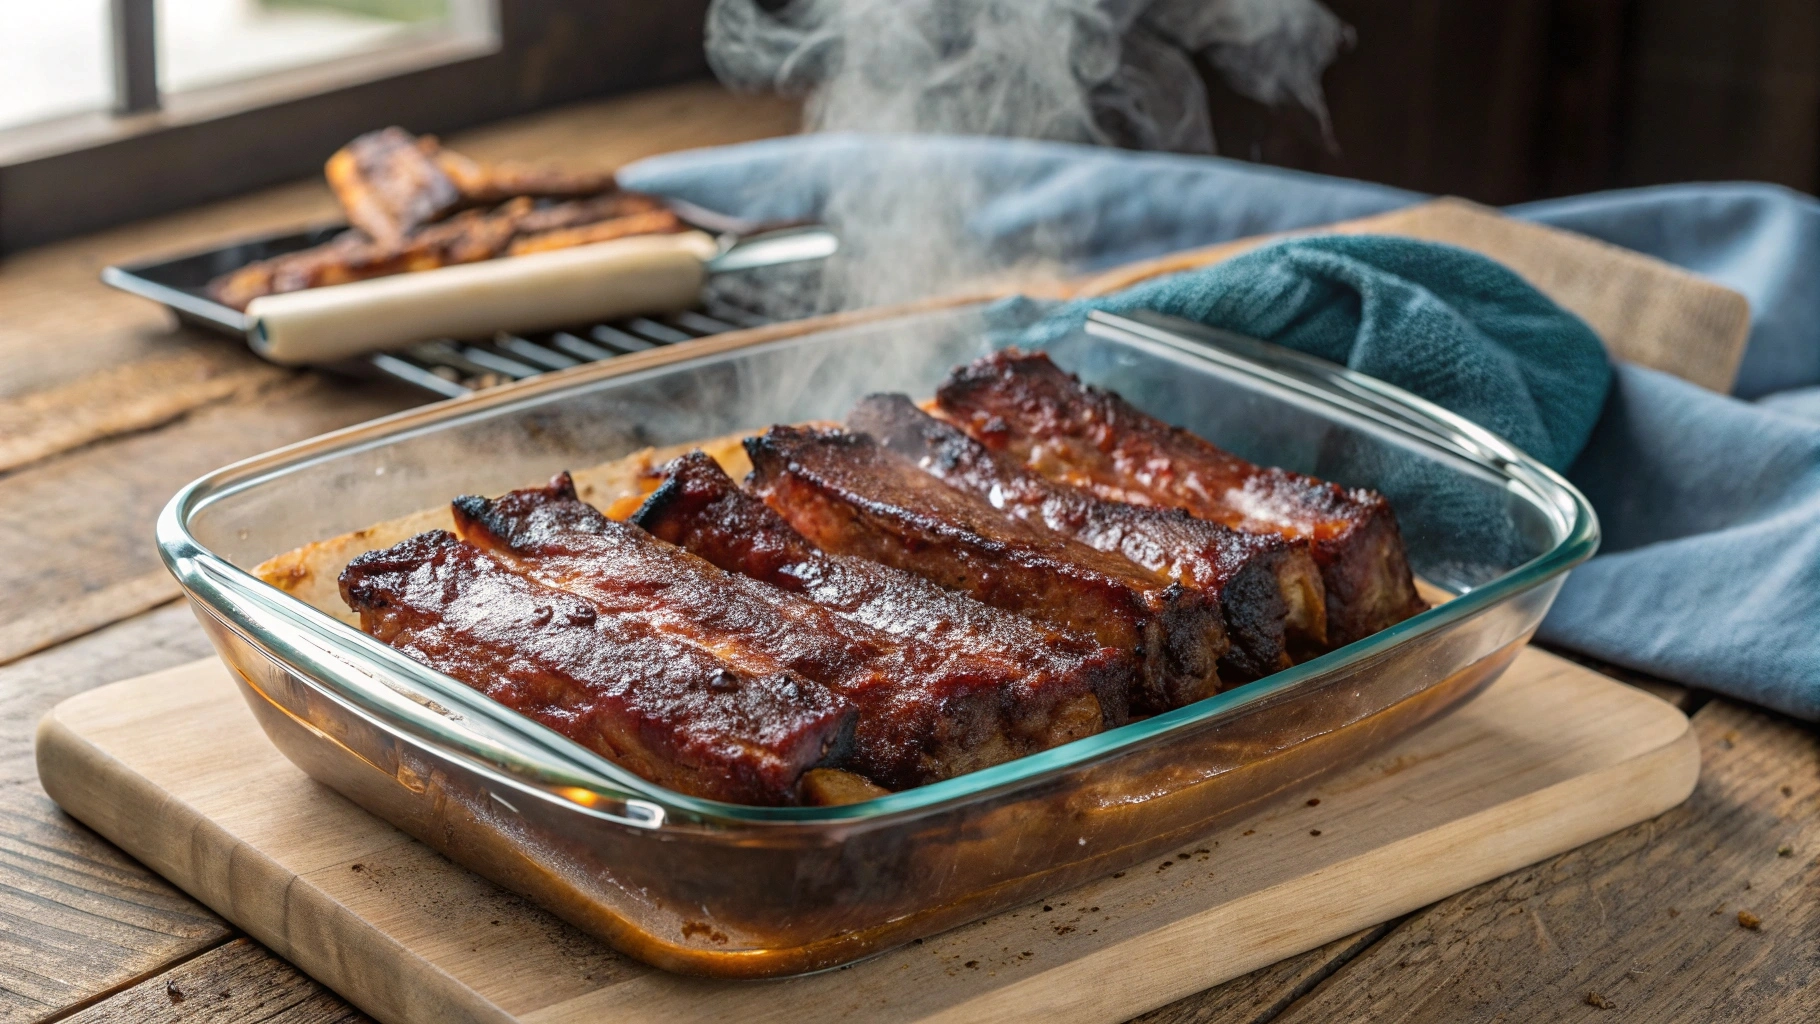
[1496,101]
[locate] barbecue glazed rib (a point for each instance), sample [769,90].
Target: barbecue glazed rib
[847,494]
[1268,586]
[1024,406]
[481,183]
[390,183]
[651,222]
[925,713]
[698,507]
[610,207]
[671,712]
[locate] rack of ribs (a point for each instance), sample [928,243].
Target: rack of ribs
[925,713]
[849,495]
[1024,406]
[1268,586]
[677,714]
[700,508]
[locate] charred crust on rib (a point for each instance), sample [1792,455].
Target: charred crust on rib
[926,712]
[1241,570]
[1022,405]
[846,493]
[704,511]
[671,712]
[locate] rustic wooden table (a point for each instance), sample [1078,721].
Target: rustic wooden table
[106,409]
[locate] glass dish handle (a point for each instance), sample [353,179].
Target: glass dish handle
[1366,396]
[1300,371]
[533,758]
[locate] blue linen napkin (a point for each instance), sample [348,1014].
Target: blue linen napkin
[1710,504]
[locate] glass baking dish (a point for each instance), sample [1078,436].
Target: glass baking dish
[719,889]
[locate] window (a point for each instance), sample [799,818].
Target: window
[56,55]
[207,98]
[86,56]
[213,42]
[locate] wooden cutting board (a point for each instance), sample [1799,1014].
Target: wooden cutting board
[173,769]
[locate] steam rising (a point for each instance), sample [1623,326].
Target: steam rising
[1100,72]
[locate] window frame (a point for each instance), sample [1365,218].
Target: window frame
[61,178]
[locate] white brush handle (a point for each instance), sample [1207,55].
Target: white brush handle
[646,274]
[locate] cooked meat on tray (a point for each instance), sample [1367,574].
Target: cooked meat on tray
[416,206]
[649,222]
[848,494]
[490,183]
[1023,405]
[699,507]
[1268,586]
[927,712]
[390,183]
[670,711]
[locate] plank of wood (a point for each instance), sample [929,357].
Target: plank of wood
[79,918]
[76,546]
[1548,758]
[615,131]
[239,982]
[48,627]
[243,981]
[1645,310]
[120,400]
[1644,925]
[1263,994]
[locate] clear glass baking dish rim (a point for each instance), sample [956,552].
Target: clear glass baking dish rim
[395,694]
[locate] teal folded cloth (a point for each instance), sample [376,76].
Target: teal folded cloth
[1450,325]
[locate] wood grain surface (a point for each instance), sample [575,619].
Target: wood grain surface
[78,918]
[173,768]
[238,982]
[1644,926]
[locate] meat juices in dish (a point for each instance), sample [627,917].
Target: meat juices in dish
[700,508]
[669,711]
[1024,406]
[1268,587]
[925,713]
[848,494]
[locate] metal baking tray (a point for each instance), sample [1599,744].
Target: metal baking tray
[452,368]
[719,889]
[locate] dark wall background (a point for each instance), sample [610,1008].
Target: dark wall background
[1506,100]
